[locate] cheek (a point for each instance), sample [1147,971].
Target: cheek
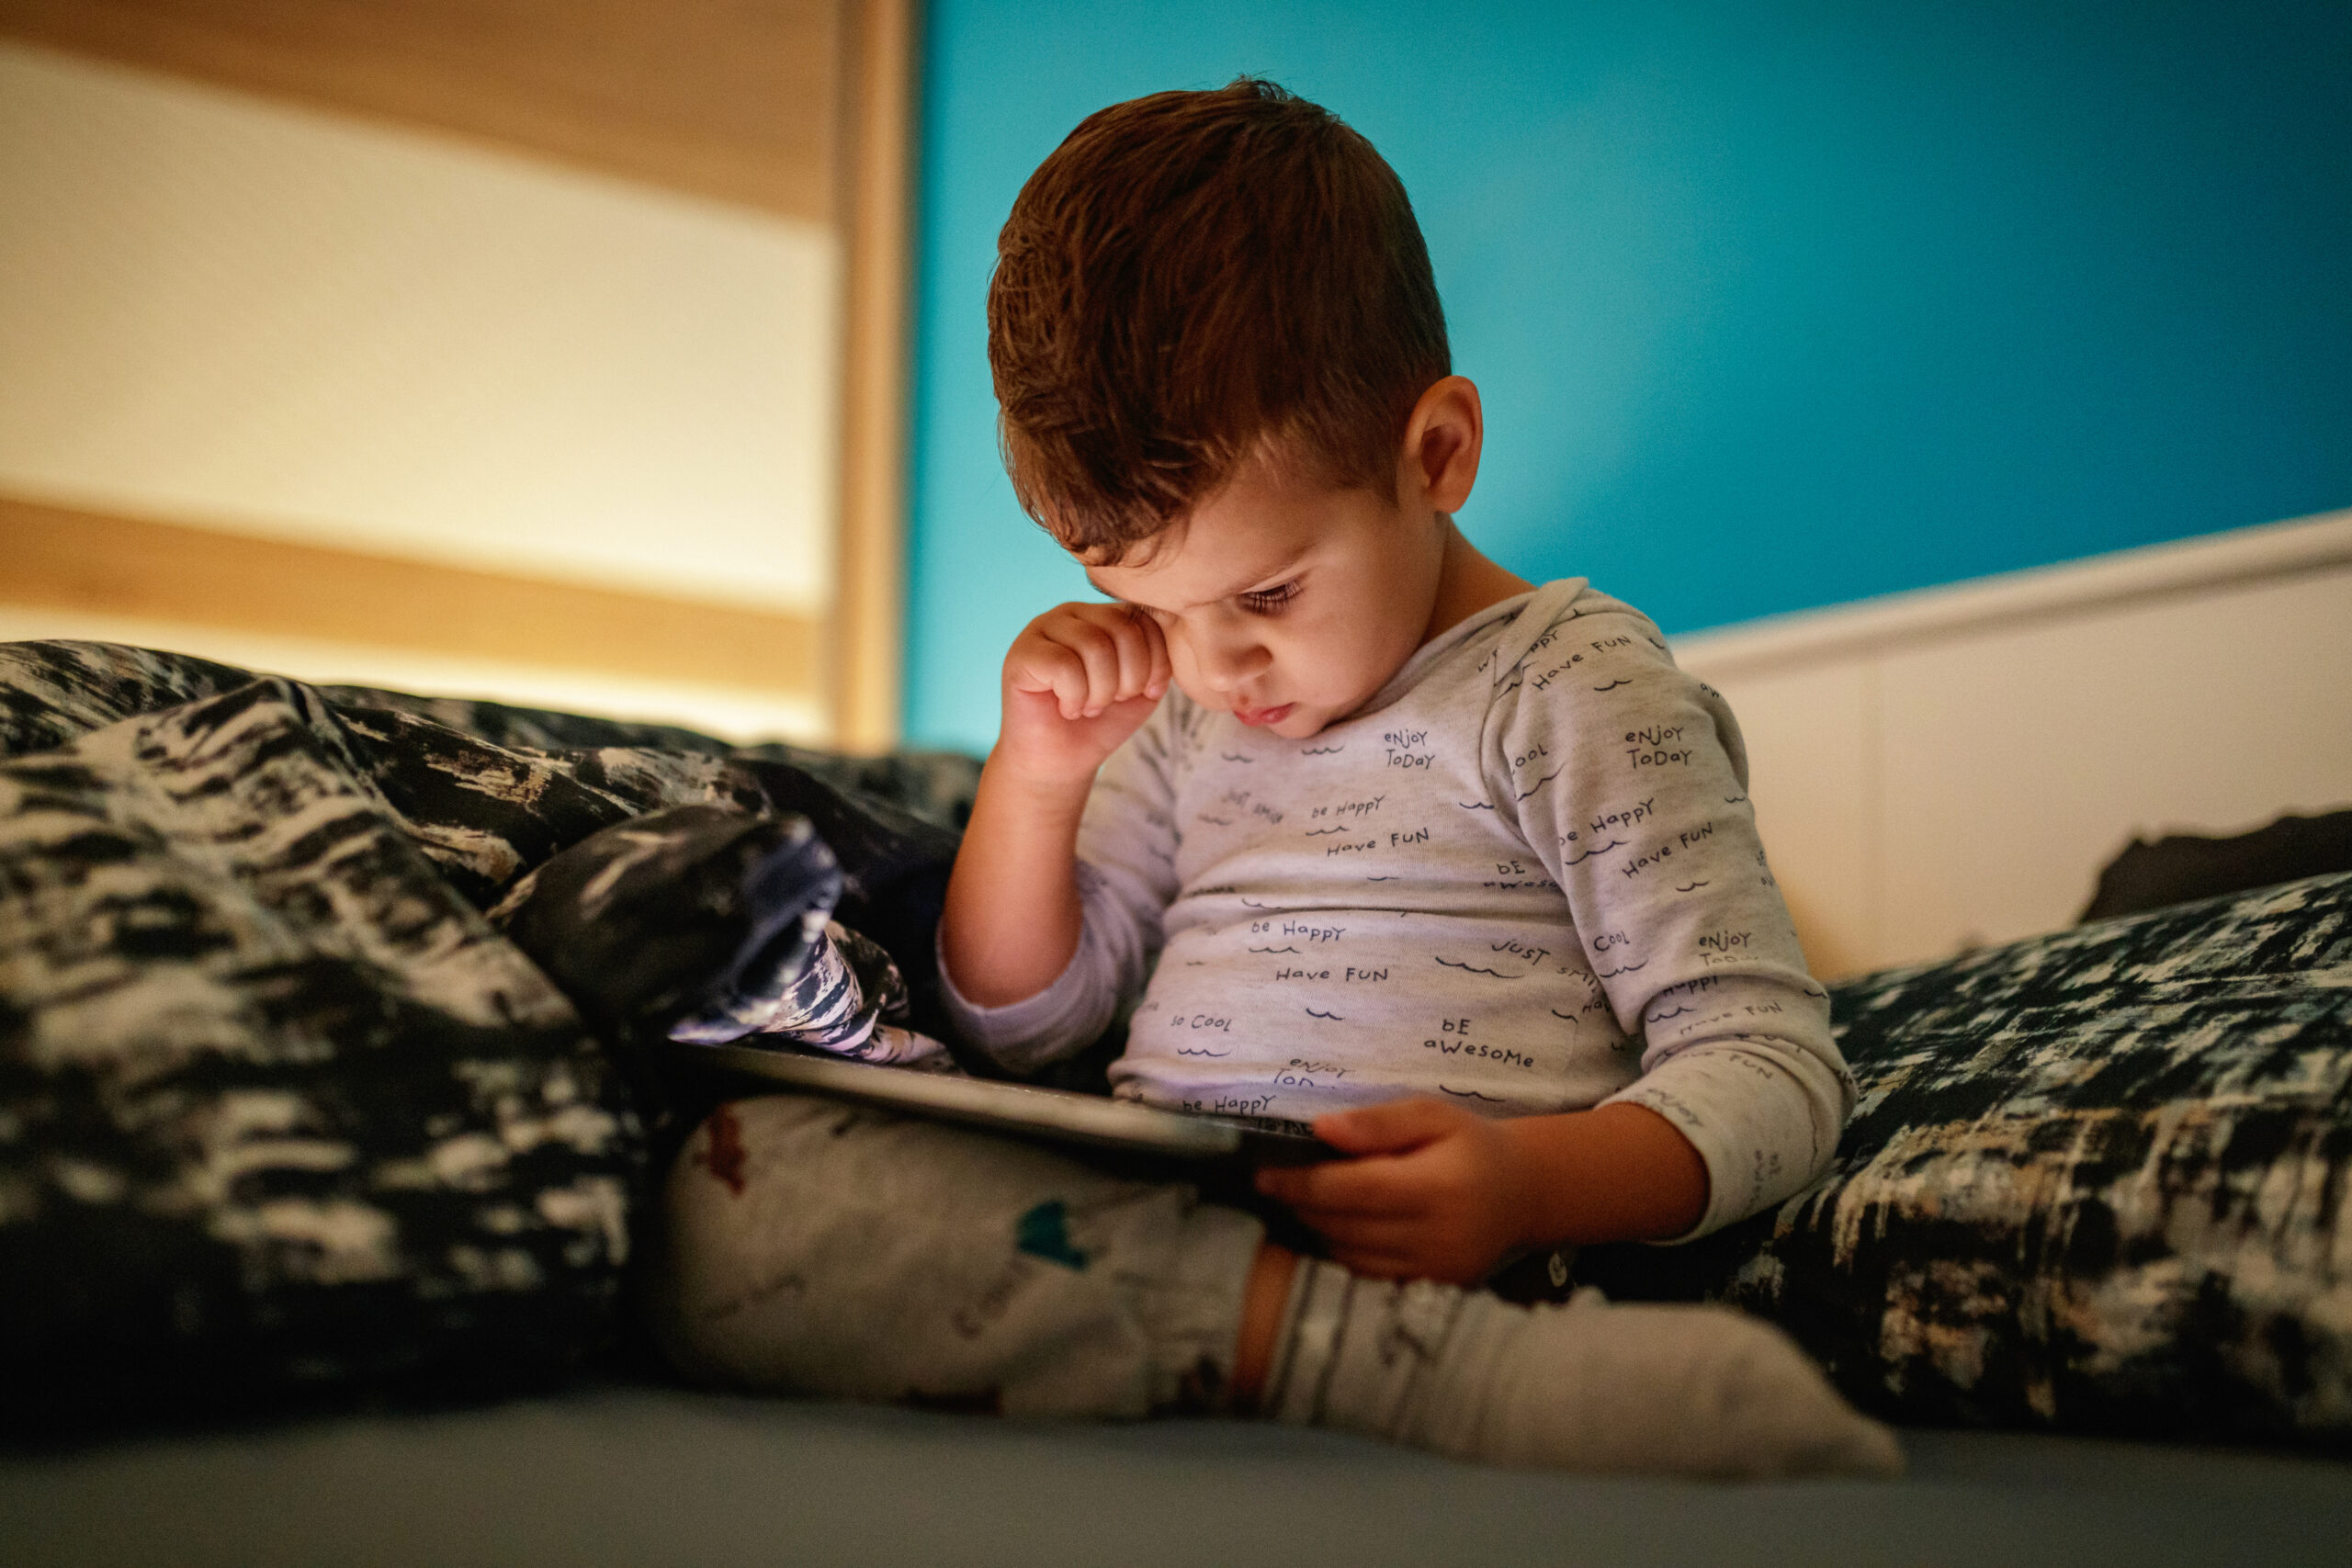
[1345,650]
[1180,662]
[1187,672]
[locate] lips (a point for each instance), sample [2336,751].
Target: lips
[1260,718]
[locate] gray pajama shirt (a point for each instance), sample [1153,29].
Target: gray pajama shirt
[1525,876]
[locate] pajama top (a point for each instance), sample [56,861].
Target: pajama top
[1525,876]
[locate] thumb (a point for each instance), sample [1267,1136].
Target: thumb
[1392,1128]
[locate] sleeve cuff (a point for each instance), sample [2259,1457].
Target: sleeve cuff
[1760,1148]
[1028,1035]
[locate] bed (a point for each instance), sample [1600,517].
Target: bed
[318,1196]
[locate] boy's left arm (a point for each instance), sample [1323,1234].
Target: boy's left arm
[1629,780]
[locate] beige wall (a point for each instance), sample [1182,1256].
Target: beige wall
[496,348]
[282,322]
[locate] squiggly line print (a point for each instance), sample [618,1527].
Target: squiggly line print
[1620,680]
[1473,1094]
[1324,750]
[1273,950]
[1236,757]
[1380,879]
[1568,1017]
[1735,799]
[1220,821]
[1324,832]
[1476,970]
[1612,974]
[1253,904]
[1191,1051]
[1333,1016]
[1515,685]
[1689,887]
[1599,850]
[1677,1012]
[1538,783]
[1480,806]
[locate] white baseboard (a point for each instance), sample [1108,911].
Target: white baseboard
[2186,567]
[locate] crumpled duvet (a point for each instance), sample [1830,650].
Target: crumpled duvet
[281,1112]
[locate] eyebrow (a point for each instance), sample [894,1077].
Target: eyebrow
[1278,570]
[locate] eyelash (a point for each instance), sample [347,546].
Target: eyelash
[1270,601]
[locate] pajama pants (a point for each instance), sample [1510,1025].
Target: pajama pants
[811,1247]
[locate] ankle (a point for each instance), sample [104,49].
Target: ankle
[1264,1303]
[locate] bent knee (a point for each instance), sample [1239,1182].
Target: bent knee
[743,1217]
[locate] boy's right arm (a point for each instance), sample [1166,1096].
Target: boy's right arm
[1078,682]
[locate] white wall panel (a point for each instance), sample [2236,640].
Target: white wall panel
[1952,767]
[1813,776]
[2018,762]
[223,309]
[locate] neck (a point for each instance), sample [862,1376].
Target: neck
[1468,583]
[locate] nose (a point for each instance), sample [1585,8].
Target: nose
[1228,655]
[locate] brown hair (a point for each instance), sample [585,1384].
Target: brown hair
[1190,275]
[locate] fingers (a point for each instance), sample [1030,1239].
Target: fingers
[1098,651]
[1090,657]
[1143,655]
[1393,1235]
[1401,1249]
[1405,1248]
[1392,1128]
[1163,663]
[1340,1187]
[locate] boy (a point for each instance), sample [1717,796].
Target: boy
[1370,835]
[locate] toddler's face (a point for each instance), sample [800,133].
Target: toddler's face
[1286,603]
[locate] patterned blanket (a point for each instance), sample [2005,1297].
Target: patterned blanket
[280,1110]
[2098,1181]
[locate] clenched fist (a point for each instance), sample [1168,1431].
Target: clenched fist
[1078,680]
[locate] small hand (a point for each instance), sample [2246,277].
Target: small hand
[1434,1192]
[1078,680]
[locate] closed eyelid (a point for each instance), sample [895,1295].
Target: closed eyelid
[1281,589]
[1265,598]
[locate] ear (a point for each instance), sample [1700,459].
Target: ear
[1441,441]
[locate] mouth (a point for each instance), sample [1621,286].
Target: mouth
[1261,718]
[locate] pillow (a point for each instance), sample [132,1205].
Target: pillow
[2189,866]
[2098,1181]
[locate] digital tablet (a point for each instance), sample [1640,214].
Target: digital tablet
[1059,1114]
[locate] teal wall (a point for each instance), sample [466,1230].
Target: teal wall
[1773,304]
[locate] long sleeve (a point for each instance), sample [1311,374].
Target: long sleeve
[1126,878]
[1629,780]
